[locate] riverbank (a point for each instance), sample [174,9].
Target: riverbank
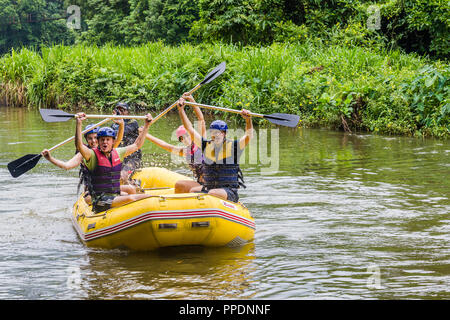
[341,87]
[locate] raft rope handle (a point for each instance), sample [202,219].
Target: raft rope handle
[161,198]
[94,215]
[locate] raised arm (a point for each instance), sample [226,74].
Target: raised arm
[119,136]
[66,165]
[85,151]
[243,142]
[198,113]
[195,136]
[166,146]
[139,142]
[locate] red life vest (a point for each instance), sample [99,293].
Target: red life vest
[106,176]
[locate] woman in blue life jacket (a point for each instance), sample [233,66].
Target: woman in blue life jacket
[189,151]
[105,164]
[221,174]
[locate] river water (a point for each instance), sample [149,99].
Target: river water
[338,216]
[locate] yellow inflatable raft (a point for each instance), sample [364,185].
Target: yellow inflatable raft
[165,219]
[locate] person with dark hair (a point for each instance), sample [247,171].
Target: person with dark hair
[131,132]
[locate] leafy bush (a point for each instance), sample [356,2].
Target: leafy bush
[22,23]
[420,26]
[341,86]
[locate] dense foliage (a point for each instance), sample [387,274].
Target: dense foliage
[420,26]
[33,23]
[343,87]
[354,64]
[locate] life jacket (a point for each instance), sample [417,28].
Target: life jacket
[106,176]
[221,169]
[84,175]
[130,134]
[194,158]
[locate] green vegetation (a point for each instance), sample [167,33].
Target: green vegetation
[318,59]
[420,26]
[345,87]
[33,23]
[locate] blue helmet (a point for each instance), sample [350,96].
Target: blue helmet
[106,132]
[219,125]
[95,130]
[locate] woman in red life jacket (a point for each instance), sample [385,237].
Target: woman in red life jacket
[91,139]
[77,159]
[105,165]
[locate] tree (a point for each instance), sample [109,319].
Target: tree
[32,23]
[104,21]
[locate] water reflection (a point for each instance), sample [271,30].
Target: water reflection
[171,273]
[338,207]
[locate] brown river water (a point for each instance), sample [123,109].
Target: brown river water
[338,216]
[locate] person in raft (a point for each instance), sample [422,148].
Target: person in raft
[190,151]
[131,132]
[77,159]
[105,164]
[221,173]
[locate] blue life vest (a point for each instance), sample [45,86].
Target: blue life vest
[221,166]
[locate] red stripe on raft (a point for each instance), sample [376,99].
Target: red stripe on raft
[168,215]
[159,215]
[146,218]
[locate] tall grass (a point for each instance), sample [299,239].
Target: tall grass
[340,86]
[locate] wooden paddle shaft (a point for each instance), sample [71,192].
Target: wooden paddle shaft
[198,86]
[83,132]
[101,116]
[174,104]
[222,109]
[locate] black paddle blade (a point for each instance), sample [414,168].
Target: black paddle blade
[215,73]
[22,165]
[55,115]
[283,119]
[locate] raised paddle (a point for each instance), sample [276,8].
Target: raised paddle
[56,115]
[282,119]
[29,161]
[208,78]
